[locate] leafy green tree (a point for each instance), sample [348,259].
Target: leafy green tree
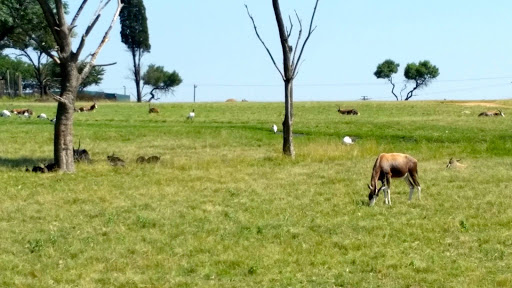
[28,33]
[385,70]
[421,74]
[12,68]
[95,76]
[160,81]
[135,35]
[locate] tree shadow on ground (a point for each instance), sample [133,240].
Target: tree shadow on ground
[23,162]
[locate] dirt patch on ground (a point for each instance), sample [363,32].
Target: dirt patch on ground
[486,104]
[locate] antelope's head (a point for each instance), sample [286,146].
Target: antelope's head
[374,193]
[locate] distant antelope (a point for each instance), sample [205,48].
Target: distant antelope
[24,111]
[153,109]
[492,113]
[393,165]
[347,111]
[88,109]
[454,163]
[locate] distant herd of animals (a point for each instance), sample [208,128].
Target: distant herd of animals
[386,166]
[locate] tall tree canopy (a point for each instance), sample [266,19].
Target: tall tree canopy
[386,70]
[160,81]
[135,35]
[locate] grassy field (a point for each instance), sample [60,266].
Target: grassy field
[224,208]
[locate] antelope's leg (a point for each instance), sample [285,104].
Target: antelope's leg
[388,187]
[411,186]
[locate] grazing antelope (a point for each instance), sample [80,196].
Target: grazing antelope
[492,113]
[88,109]
[347,111]
[153,109]
[393,165]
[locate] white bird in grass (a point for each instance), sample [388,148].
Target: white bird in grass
[347,140]
[42,116]
[53,120]
[5,113]
[191,115]
[26,115]
[274,128]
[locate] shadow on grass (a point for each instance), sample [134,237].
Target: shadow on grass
[23,162]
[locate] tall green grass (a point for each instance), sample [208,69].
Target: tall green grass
[224,208]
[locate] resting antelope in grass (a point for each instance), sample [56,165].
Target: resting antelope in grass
[347,111]
[88,109]
[393,165]
[153,109]
[492,113]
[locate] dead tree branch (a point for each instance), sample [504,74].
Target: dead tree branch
[311,30]
[264,45]
[104,40]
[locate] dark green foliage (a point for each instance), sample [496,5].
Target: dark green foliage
[421,74]
[160,80]
[385,70]
[134,26]
[95,76]
[15,66]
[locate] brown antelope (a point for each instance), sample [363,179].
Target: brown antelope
[492,113]
[454,163]
[88,109]
[393,165]
[153,109]
[347,111]
[23,111]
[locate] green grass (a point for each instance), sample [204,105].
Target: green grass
[224,208]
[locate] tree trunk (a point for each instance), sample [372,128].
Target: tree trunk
[63,139]
[136,73]
[288,119]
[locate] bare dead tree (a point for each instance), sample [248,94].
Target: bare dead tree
[291,63]
[71,78]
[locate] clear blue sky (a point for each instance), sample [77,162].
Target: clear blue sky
[213,44]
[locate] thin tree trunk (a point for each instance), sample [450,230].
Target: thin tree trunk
[288,119]
[136,74]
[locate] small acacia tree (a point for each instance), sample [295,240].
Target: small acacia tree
[71,77]
[385,70]
[290,66]
[160,81]
[420,74]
